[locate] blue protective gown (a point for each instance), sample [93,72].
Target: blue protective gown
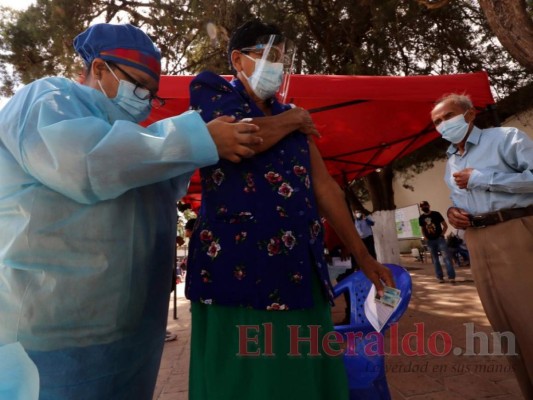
[87,233]
[19,379]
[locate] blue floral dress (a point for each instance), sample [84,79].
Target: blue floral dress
[258,240]
[256,259]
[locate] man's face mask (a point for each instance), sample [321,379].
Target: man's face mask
[266,78]
[425,208]
[454,130]
[128,101]
[358,215]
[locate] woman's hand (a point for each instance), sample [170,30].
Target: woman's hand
[305,122]
[377,273]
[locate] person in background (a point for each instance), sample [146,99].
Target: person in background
[256,255]
[175,279]
[434,228]
[189,227]
[364,224]
[458,250]
[180,241]
[490,176]
[87,228]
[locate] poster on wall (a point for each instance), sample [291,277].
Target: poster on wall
[407,226]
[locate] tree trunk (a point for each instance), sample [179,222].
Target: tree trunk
[385,237]
[513,26]
[379,184]
[353,201]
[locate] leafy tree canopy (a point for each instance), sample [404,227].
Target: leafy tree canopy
[360,37]
[355,37]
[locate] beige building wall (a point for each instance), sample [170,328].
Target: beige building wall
[429,185]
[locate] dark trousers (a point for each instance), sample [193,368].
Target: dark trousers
[369,243]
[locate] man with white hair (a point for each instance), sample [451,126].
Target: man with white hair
[490,175]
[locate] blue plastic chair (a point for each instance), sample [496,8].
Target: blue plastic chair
[366,369]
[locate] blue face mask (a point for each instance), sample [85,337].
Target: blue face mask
[266,78]
[128,101]
[455,129]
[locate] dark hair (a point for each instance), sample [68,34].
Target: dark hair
[189,225]
[247,35]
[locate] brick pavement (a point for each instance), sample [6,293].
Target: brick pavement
[441,308]
[173,379]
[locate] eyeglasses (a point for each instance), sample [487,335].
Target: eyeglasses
[155,101]
[274,54]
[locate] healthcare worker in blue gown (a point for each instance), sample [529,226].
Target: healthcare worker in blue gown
[88,216]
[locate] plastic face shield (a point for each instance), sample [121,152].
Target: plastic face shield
[275,49]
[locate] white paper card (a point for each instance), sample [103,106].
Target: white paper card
[377,313]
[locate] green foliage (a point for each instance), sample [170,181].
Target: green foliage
[38,41]
[359,37]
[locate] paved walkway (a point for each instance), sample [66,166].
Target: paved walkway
[436,310]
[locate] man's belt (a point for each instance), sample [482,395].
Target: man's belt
[493,218]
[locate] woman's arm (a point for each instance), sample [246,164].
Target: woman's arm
[213,96]
[332,206]
[274,128]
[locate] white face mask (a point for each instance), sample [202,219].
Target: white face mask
[358,215]
[128,101]
[266,78]
[454,130]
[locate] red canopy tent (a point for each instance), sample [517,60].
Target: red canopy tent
[366,122]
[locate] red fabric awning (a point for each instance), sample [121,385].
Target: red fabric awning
[366,122]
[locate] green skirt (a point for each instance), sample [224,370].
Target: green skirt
[243,354]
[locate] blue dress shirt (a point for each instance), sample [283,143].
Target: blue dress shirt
[364,227]
[502,159]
